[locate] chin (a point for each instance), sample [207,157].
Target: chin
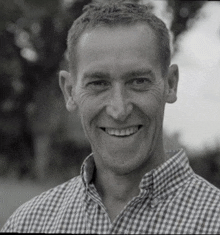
[126,163]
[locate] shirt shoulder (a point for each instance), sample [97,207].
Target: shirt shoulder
[207,191]
[44,208]
[201,202]
[202,199]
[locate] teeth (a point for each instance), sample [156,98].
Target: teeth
[122,132]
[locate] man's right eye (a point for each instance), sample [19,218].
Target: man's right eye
[99,85]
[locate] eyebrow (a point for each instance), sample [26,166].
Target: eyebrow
[129,74]
[96,75]
[139,72]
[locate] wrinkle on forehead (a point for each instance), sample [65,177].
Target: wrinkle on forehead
[96,44]
[120,32]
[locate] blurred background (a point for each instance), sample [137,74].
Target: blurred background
[42,145]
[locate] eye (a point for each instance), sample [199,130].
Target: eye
[98,85]
[141,83]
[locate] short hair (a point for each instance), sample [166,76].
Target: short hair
[117,13]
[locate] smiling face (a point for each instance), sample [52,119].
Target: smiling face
[121,94]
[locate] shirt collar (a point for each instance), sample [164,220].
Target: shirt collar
[169,176]
[162,181]
[87,170]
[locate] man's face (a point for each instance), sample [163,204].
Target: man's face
[121,95]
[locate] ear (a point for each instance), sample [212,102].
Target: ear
[66,83]
[172,80]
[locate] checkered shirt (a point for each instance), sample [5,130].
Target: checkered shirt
[172,200]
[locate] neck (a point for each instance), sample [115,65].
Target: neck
[124,186]
[116,190]
[117,187]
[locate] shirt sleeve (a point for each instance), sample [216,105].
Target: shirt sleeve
[18,222]
[9,226]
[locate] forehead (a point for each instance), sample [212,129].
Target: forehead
[117,32]
[134,40]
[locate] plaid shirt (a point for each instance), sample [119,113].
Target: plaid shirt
[172,200]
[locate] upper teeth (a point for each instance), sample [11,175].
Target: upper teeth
[122,132]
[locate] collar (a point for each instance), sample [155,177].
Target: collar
[87,170]
[160,182]
[167,178]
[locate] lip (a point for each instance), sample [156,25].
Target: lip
[119,129]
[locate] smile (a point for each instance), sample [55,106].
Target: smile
[122,132]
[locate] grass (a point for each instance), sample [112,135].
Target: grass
[14,193]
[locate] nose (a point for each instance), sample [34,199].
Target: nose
[120,106]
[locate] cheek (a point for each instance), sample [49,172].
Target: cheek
[151,104]
[88,105]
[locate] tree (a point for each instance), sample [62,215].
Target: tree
[33,38]
[184,13]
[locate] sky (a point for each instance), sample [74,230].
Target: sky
[196,113]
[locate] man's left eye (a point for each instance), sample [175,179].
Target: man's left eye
[139,83]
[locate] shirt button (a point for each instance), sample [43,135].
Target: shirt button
[154,202]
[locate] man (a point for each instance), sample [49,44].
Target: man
[119,80]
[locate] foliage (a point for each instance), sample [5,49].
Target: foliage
[184,13]
[207,165]
[33,39]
